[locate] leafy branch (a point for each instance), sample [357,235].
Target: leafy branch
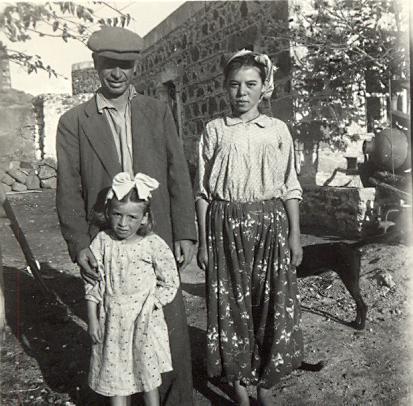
[337,46]
[67,20]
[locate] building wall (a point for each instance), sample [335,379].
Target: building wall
[48,109]
[84,78]
[16,127]
[5,82]
[183,56]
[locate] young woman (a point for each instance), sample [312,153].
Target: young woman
[249,235]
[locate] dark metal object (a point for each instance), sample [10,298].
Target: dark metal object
[24,245]
[389,150]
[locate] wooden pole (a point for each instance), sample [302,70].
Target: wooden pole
[2,305]
[24,244]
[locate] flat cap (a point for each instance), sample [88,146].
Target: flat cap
[116,43]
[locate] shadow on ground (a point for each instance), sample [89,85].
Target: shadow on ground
[46,333]
[200,379]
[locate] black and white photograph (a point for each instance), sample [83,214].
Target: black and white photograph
[206,203]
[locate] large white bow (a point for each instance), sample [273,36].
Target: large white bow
[269,68]
[122,184]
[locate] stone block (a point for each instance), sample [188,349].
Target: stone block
[6,188]
[46,172]
[18,174]
[50,162]
[49,183]
[14,164]
[27,165]
[7,179]
[33,182]
[18,187]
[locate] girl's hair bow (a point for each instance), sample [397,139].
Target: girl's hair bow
[122,184]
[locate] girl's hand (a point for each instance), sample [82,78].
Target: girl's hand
[95,331]
[296,249]
[202,257]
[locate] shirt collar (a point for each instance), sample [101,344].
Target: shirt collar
[261,121]
[103,103]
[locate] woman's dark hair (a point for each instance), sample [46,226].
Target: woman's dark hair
[244,60]
[132,196]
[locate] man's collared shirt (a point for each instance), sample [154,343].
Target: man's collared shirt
[120,123]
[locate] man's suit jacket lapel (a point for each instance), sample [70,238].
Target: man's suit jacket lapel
[99,134]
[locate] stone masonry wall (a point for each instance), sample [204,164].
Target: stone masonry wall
[187,50]
[348,211]
[48,109]
[16,127]
[84,78]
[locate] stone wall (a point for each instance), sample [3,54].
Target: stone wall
[28,175]
[84,78]
[28,136]
[16,127]
[181,62]
[48,108]
[352,212]
[348,211]
[5,82]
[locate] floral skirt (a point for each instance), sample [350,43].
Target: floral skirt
[254,316]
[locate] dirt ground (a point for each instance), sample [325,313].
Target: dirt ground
[44,358]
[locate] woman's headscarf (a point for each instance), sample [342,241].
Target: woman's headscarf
[269,69]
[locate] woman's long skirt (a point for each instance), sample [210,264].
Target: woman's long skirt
[254,316]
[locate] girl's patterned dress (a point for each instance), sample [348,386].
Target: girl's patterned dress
[246,171]
[138,278]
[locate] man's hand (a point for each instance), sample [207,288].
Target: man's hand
[94,330]
[183,251]
[202,257]
[296,249]
[88,266]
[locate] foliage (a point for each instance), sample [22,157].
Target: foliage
[343,51]
[67,20]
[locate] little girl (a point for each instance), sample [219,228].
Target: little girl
[138,276]
[249,235]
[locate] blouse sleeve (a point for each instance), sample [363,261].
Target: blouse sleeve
[206,148]
[167,278]
[94,292]
[293,188]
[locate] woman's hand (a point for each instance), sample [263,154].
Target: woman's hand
[296,249]
[94,331]
[202,257]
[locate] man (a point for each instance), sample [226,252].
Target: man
[120,130]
